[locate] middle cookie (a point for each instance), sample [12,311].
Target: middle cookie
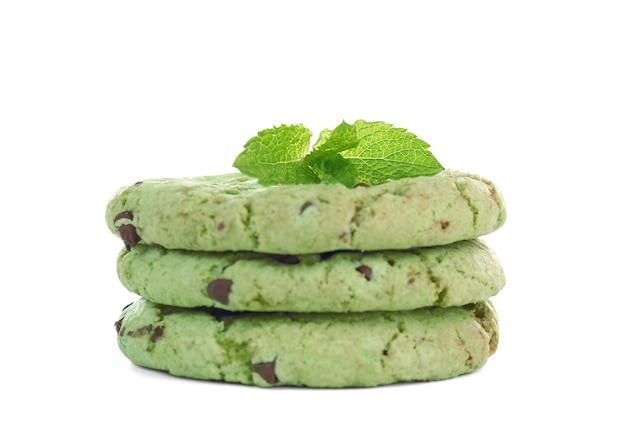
[445,276]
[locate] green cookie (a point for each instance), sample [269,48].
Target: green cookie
[313,350]
[234,213]
[451,275]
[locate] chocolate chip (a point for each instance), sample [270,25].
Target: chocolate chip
[140,332]
[479,311]
[288,259]
[158,332]
[138,183]
[326,255]
[305,206]
[361,184]
[219,290]
[118,324]
[365,271]
[444,224]
[129,235]
[123,215]
[267,371]
[220,226]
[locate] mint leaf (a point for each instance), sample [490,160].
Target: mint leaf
[325,161]
[331,167]
[385,153]
[343,137]
[276,156]
[365,152]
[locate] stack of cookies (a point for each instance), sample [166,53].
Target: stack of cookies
[313,285]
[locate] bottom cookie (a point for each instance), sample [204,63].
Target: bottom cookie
[311,350]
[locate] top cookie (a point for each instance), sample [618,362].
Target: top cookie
[232,212]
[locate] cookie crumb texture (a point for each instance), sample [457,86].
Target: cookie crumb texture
[311,350]
[233,212]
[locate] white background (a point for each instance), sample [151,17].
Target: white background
[98,95]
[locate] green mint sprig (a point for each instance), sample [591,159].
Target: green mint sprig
[363,153]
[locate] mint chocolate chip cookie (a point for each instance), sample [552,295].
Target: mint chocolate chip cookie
[313,350]
[444,276]
[233,212]
[351,262]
